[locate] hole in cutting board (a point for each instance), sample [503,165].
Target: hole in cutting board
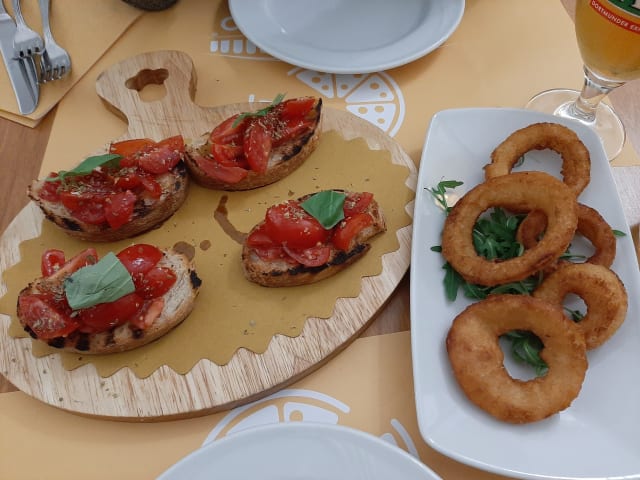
[149,84]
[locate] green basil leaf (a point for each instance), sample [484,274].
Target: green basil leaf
[326,207]
[105,281]
[87,166]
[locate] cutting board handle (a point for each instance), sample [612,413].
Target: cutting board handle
[175,113]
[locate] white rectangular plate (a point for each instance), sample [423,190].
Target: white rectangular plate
[597,436]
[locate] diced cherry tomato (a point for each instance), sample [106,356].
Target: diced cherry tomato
[274,253]
[49,190]
[140,258]
[155,283]
[163,156]
[148,314]
[226,154]
[289,223]
[257,146]
[52,260]
[290,129]
[220,172]
[226,133]
[127,180]
[46,321]
[347,230]
[128,148]
[88,256]
[356,203]
[105,316]
[310,257]
[260,238]
[119,208]
[152,187]
[295,108]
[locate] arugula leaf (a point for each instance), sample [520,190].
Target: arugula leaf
[87,166]
[326,207]
[526,347]
[258,113]
[105,281]
[619,233]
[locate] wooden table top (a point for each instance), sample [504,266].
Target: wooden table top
[22,150]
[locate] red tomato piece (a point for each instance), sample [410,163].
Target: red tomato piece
[163,156]
[86,257]
[226,154]
[52,260]
[356,203]
[220,172]
[287,223]
[119,208]
[153,188]
[128,148]
[105,316]
[151,310]
[290,129]
[295,108]
[46,321]
[274,253]
[155,283]
[257,146]
[347,230]
[126,179]
[310,257]
[226,133]
[49,190]
[140,258]
[260,238]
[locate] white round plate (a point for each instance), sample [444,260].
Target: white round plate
[299,450]
[347,36]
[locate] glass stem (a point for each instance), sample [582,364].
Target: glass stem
[594,89]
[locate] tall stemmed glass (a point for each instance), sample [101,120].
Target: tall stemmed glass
[608,33]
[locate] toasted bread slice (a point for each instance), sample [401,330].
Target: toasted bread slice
[178,303]
[147,215]
[283,159]
[281,273]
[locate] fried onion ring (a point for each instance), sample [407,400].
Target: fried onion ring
[576,162]
[477,358]
[590,224]
[600,289]
[523,191]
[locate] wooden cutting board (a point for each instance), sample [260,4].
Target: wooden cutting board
[208,387]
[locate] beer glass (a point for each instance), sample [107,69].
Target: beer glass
[608,34]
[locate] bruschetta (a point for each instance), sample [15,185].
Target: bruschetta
[253,149]
[117,303]
[312,238]
[132,188]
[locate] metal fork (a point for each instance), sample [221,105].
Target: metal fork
[26,42]
[55,62]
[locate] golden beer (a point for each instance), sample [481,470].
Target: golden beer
[608,33]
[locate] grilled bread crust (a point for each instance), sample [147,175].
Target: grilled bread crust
[146,216]
[179,302]
[284,159]
[281,274]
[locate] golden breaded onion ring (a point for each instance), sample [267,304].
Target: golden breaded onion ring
[576,162]
[522,191]
[590,224]
[600,289]
[477,358]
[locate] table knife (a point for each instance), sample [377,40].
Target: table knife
[21,71]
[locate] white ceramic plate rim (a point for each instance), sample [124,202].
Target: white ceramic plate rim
[268,452]
[250,17]
[596,436]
